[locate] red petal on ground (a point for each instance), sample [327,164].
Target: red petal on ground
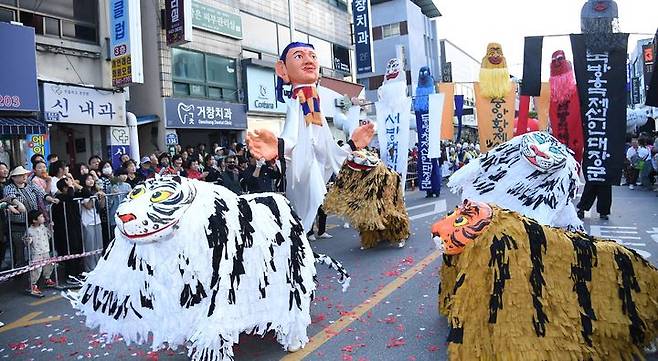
[319,318]
[395,342]
[432,348]
[411,358]
[390,319]
[400,327]
[347,357]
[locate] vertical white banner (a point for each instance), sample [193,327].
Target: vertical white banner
[436,102]
[393,135]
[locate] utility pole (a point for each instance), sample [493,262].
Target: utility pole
[291,19]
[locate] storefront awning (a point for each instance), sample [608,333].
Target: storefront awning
[428,8]
[147,119]
[341,86]
[21,125]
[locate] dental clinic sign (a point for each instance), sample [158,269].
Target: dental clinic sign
[261,95]
[126,42]
[204,114]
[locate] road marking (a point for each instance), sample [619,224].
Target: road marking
[329,332]
[439,206]
[45,300]
[28,320]
[615,233]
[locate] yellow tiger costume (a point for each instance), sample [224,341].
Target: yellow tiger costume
[516,290]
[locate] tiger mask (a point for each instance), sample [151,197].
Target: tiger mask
[461,226]
[151,211]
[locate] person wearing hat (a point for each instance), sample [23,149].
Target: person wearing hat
[28,194]
[146,170]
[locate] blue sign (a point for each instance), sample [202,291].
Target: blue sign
[116,151]
[362,36]
[18,84]
[191,113]
[171,139]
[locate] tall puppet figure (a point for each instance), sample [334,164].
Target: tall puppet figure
[494,100]
[428,169]
[306,147]
[565,105]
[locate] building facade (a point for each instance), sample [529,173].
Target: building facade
[402,27]
[641,61]
[76,102]
[221,83]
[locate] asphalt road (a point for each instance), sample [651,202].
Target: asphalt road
[388,313]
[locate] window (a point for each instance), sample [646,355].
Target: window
[68,19]
[259,34]
[390,30]
[202,75]
[323,52]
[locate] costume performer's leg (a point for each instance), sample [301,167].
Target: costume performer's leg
[603,199]
[587,199]
[322,221]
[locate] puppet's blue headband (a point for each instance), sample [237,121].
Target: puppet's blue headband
[279,81]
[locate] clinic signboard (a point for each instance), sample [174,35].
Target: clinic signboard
[19,90]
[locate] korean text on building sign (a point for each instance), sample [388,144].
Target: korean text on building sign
[72,102]
[204,115]
[596,149]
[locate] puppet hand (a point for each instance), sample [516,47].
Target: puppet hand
[263,144]
[363,135]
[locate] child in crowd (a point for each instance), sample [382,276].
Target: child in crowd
[37,239]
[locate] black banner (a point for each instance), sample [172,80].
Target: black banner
[601,79]
[531,84]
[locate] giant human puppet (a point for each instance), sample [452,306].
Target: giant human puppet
[494,99]
[306,146]
[564,108]
[393,118]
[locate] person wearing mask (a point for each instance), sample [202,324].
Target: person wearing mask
[260,175]
[67,232]
[193,171]
[132,177]
[177,165]
[146,170]
[231,177]
[104,184]
[91,209]
[41,178]
[214,175]
[20,191]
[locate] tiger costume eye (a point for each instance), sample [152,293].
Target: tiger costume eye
[159,196]
[137,192]
[460,221]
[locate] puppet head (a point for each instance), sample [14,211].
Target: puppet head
[425,77]
[362,160]
[598,16]
[394,71]
[562,80]
[543,152]
[151,211]
[461,226]
[494,76]
[297,64]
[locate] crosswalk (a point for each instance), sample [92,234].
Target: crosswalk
[628,236]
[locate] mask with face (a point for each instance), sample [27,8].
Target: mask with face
[107,170]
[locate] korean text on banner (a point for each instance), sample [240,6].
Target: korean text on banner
[437,104]
[362,36]
[36,144]
[495,119]
[126,42]
[447,123]
[393,135]
[80,105]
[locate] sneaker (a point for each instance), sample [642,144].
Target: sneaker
[604,217]
[50,283]
[581,214]
[35,290]
[325,235]
[346,225]
[402,243]
[1,324]
[311,237]
[631,187]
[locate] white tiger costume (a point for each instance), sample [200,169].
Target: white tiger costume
[533,174]
[194,264]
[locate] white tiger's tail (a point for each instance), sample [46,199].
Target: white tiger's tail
[344,277]
[465,175]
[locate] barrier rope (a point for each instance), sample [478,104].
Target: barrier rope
[40,263]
